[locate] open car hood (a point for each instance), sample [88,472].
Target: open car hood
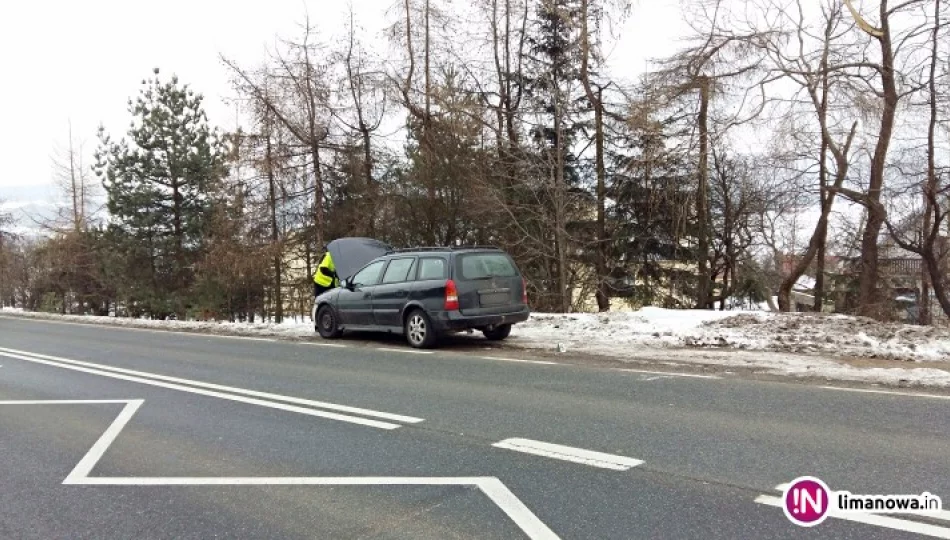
[352,254]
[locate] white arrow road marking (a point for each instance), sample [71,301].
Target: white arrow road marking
[263,399]
[492,487]
[569,453]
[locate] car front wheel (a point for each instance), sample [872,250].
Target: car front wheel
[419,331]
[326,323]
[498,333]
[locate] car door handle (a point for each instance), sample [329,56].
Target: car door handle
[367,295]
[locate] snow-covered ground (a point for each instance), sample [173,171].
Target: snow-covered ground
[805,333]
[835,347]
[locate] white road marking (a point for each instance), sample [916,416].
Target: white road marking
[67,402]
[188,331]
[86,464]
[210,393]
[516,510]
[319,344]
[230,389]
[499,494]
[667,373]
[492,487]
[245,338]
[393,349]
[569,453]
[886,392]
[520,361]
[872,519]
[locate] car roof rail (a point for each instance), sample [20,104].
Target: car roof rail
[444,248]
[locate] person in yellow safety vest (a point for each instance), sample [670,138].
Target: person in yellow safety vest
[325,277]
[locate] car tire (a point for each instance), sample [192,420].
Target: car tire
[498,333]
[326,324]
[419,330]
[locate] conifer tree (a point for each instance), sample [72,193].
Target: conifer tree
[160,182]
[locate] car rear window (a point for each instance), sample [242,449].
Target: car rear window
[485,265]
[431,268]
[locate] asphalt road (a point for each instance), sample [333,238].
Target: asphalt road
[121,433]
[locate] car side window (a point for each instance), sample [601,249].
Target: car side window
[431,268]
[368,276]
[398,270]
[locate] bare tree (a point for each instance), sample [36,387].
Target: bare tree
[298,97]
[812,71]
[934,192]
[367,92]
[891,42]
[590,55]
[721,55]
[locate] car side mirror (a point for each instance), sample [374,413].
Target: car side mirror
[349,285]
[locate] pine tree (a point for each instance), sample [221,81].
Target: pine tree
[160,182]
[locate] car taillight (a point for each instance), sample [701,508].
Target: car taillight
[524,291]
[451,296]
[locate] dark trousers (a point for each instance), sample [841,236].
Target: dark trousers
[319,289]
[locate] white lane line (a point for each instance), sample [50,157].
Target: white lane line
[886,392]
[317,344]
[492,487]
[86,464]
[569,453]
[245,338]
[519,361]
[410,351]
[516,510]
[667,373]
[188,331]
[872,519]
[67,402]
[210,393]
[230,389]
[280,481]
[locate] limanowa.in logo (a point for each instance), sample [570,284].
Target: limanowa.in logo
[808,501]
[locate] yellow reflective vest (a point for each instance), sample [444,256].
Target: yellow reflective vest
[326,273]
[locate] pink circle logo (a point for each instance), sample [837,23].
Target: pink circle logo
[806,501]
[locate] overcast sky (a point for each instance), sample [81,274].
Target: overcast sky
[80,61]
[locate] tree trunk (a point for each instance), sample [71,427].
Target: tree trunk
[560,236]
[318,216]
[928,234]
[703,290]
[819,291]
[275,234]
[597,104]
[368,177]
[870,298]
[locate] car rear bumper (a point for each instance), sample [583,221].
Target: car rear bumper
[453,320]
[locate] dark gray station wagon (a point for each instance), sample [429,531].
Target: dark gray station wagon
[423,293]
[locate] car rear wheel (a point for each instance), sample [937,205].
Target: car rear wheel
[419,331]
[326,323]
[498,333]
